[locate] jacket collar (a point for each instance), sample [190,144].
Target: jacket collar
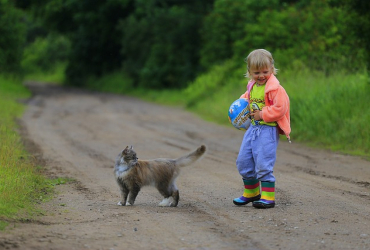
[272,83]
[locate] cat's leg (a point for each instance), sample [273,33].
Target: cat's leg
[124,193]
[171,196]
[176,198]
[165,189]
[174,193]
[132,196]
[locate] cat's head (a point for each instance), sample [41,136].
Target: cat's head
[128,155]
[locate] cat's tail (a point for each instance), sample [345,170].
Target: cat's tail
[191,157]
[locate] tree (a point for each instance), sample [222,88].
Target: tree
[161,42]
[12,38]
[91,26]
[360,22]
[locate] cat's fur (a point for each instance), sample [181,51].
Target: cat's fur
[132,174]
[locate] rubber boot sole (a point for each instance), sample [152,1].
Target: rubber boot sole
[246,202]
[263,205]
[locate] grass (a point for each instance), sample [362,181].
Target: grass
[54,76]
[22,184]
[328,112]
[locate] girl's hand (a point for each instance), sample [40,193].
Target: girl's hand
[256,115]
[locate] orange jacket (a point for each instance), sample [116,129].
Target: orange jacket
[277,104]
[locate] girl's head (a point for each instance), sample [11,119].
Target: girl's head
[259,60]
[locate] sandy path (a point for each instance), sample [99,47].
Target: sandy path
[323,198]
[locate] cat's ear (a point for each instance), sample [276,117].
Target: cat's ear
[131,147]
[125,150]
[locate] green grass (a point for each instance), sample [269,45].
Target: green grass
[120,83]
[331,112]
[22,184]
[328,112]
[54,76]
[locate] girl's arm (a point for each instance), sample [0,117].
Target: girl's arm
[244,96]
[278,108]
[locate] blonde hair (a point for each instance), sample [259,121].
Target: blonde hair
[259,59]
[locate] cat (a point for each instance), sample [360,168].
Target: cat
[132,174]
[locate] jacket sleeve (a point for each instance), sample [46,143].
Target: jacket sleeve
[278,107]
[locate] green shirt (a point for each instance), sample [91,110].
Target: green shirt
[257,101]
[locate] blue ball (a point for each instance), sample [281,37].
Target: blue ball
[239,114]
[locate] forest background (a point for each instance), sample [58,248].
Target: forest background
[191,53]
[187,53]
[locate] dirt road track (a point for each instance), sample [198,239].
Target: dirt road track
[323,198]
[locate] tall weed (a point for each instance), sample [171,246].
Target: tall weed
[330,111]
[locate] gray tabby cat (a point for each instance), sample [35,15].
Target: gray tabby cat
[132,174]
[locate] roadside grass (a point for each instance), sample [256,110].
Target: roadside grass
[54,76]
[22,184]
[328,112]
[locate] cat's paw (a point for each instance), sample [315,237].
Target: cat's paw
[166,202]
[123,204]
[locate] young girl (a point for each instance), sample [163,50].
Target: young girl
[270,107]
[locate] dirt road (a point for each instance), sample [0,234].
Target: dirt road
[323,198]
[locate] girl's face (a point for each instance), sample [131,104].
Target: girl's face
[260,75]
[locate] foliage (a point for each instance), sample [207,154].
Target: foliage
[95,39]
[160,44]
[115,82]
[224,27]
[164,44]
[12,37]
[91,27]
[156,42]
[56,75]
[129,46]
[44,53]
[359,22]
[312,34]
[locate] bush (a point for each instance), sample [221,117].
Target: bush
[44,54]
